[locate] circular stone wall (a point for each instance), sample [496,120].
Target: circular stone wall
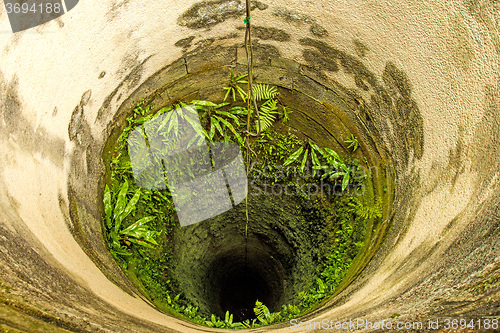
[285,243]
[418,84]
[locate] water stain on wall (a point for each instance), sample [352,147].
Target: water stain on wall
[291,16]
[184,42]
[394,101]
[131,80]
[360,48]
[115,8]
[15,126]
[270,34]
[459,45]
[77,115]
[486,142]
[487,13]
[207,14]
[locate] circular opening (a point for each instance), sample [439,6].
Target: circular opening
[226,263]
[239,289]
[241,277]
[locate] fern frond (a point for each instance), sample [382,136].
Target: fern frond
[286,113]
[267,114]
[367,211]
[353,142]
[261,311]
[264,91]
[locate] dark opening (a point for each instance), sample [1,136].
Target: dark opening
[240,290]
[237,278]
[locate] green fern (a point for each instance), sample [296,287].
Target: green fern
[353,142]
[220,120]
[268,112]
[263,314]
[366,211]
[309,149]
[290,311]
[228,322]
[286,114]
[234,87]
[116,210]
[264,91]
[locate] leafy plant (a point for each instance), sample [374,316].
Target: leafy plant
[285,113]
[264,92]
[289,311]
[353,142]
[220,119]
[175,114]
[133,216]
[366,211]
[121,237]
[228,322]
[263,314]
[309,149]
[139,110]
[234,87]
[336,168]
[261,92]
[268,112]
[215,322]
[322,289]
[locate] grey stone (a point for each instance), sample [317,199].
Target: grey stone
[169,74]
[194,83]
[272,75]
[285,63]
[309,87]
[213,57]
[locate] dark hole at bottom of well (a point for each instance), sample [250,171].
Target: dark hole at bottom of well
[239,291]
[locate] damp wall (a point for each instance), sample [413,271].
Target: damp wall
[418,84]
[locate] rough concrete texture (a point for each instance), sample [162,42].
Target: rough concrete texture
[424,101]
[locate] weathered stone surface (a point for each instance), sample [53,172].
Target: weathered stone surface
[265,33]
[309,87]
[75,122]
[318,30]
[160,100]
[193,82]
[210,58]
[170,74]
[285,63]
[206,14]
[262,54]
[214,94]
[292,16]
[272,75]
[333,97]
[305,116]
[185,42]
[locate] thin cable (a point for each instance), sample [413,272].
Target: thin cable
[249,54]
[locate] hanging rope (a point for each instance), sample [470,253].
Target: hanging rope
[249,53]
[250,100]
